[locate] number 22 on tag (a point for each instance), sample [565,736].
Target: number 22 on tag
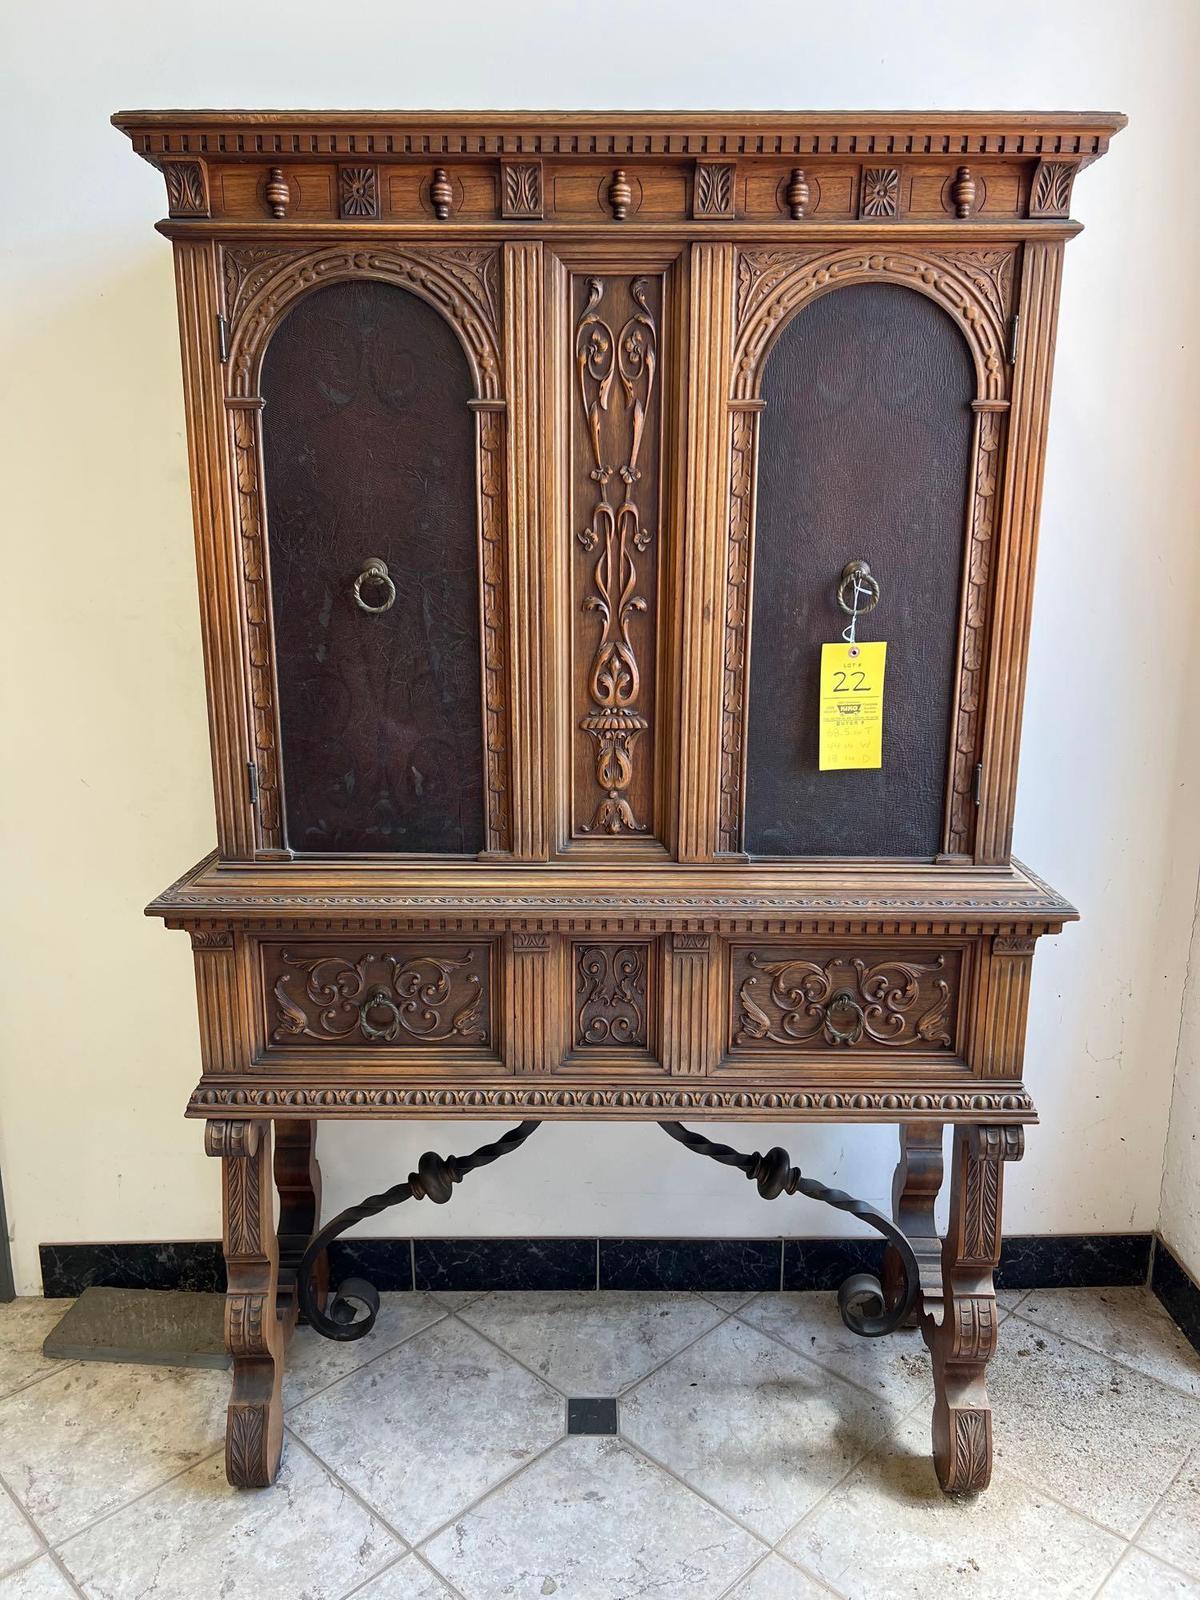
[852,705]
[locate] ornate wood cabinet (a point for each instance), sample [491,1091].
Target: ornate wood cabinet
[534,458]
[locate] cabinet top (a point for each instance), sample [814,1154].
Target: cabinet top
[296,134]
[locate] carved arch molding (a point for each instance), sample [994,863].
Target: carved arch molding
[461,282]
[975,287]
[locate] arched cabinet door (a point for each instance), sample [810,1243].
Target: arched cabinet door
[371,490]
[867,441]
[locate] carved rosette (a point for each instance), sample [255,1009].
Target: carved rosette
[879,193]
[611,983]
[616,536]
[358,192]
[845,1000]
[437,996]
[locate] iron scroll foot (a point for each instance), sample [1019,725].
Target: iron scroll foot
[864,1306]
[434,1180]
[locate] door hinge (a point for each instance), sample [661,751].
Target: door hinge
[222,339]
[1014,324]
[252,781]
[977,787]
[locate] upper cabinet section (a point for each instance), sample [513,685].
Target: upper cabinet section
[534,169]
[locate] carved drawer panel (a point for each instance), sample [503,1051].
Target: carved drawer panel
[822,999]
[613,998]
[387,995]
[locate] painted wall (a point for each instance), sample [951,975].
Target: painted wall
[1180,1214]
[106,789]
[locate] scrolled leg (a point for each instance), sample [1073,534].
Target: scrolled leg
[915,1188]
[255,1334]
[298,1180]
[961,1330]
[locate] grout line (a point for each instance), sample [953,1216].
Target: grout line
[28,1515]
[444,1316]
[494,1488]
[294,1405]
[358,1588]
[1186,1572]
[438,1574]
[115,1511]
[1105,1355]
[65,1573]
[373,1511]
[42,1377]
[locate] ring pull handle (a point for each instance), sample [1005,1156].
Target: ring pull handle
[850,1019]
[375,574]
[858,589]
[377,1026]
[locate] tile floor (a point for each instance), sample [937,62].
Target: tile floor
[764,1454]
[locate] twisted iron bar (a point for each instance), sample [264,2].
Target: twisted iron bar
[434,1180]
[861,1299]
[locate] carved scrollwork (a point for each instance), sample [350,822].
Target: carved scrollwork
[615,534]
[610,989]
[495,609]
[459,281]
[845,1000]
[774,284]
[435,996]
[737,603]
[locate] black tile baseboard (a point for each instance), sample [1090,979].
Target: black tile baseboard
[1028,1262]
[712,1264]
[1177,1291]
[504,1263]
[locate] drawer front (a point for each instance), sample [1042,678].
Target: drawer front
[398,995]
[813,1000]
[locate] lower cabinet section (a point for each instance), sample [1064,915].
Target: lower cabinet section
[678,1004]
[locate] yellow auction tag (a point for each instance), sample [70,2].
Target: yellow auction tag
[852,705]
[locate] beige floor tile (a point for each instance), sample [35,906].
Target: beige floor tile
[1144,1577]
[1173,1528]
[409,1579]
[429,1426]
[313,1363]
[896,1365]
[888,1533]
[1129,1325]
[777,1579]
[78,1445]
[24,1324]
[592,1343]
[755,1426]
[593,1520]
[195,1538]
[18,1542]
[1104,1438]
[39,1581]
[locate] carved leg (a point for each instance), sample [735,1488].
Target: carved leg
[915,1189]
[298,1180]
[961,1330]
[255,1334]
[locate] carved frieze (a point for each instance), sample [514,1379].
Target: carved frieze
[611,995]
[863,1001]
[405,996]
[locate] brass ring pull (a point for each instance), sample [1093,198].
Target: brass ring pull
[379,1000]
[845,1005]
[858,589]
[374,572]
